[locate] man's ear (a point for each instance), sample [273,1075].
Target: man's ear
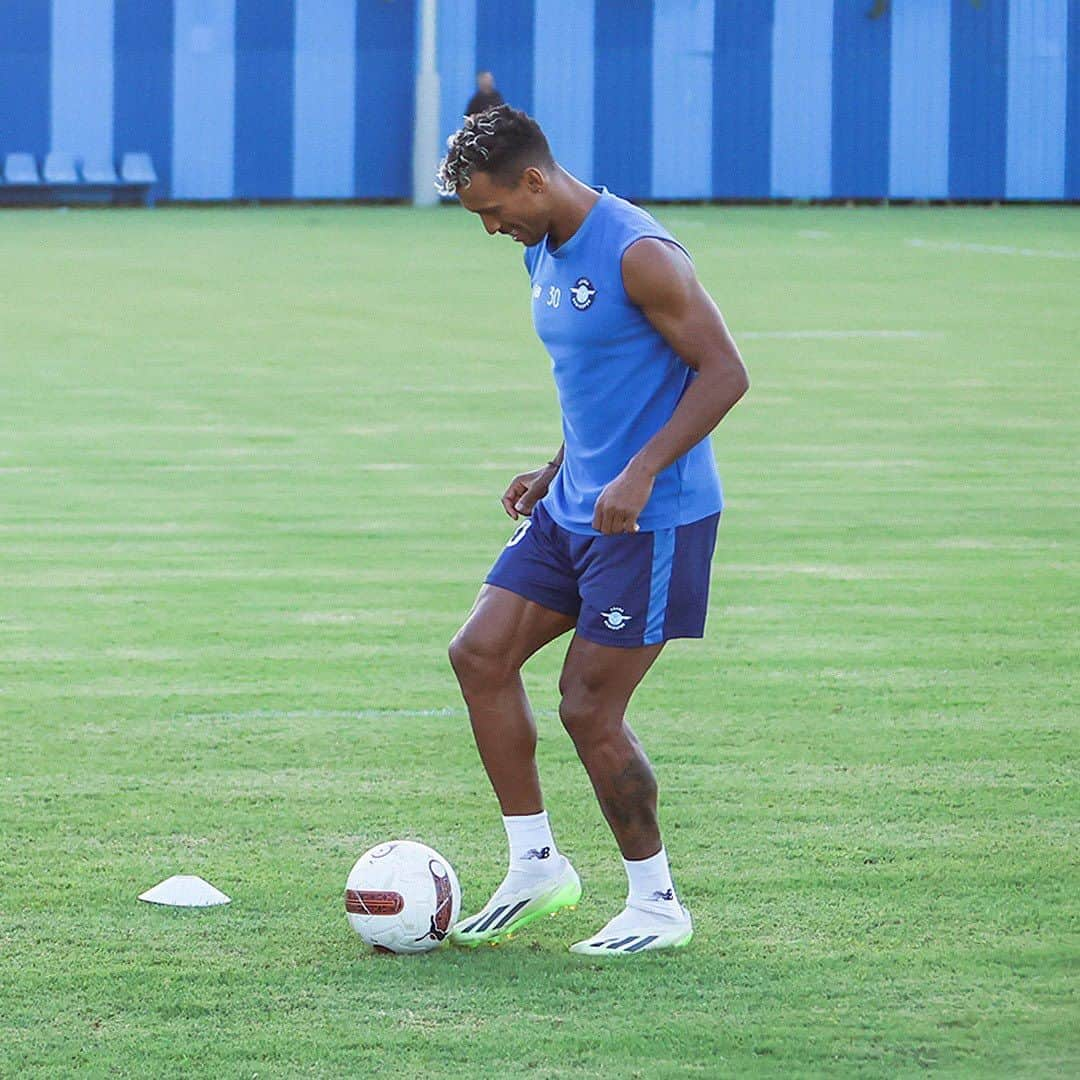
[535,180]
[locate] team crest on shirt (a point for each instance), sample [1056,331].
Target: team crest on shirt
[582,294]
[615,619]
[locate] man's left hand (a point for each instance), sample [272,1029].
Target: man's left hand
[622,501]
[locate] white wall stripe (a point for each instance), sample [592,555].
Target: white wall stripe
[324,110]
[919,100]
[1035,118]
[802,99]
[204,99]
[455,43]
[81,77]
[682,78]
[563,99]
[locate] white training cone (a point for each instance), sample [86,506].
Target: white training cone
[185,890]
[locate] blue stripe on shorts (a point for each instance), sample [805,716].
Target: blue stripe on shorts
[662,558]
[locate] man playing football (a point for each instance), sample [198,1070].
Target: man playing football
[616,531]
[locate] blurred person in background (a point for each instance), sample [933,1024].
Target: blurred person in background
[486,96]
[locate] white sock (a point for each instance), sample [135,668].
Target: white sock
[650,881]
[532,847]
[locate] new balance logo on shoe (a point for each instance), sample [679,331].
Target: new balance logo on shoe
[667,894]
[534,853]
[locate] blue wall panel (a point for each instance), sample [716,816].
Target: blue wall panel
[802,98]
[919,100]
[978,99]
[81,78]
[504,46]
[385,79]
[623,96]
[563,81]
[860,100]
[655,98]
[143,82]
[24,76]
[324,99]
[456,49]
[682,66]
[204,81]
[264,98]
[1035,124]
[1072,94]
[742,98]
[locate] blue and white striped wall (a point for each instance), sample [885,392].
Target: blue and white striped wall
[655,98]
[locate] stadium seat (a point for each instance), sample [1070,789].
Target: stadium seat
[99,171]
[137,169]
[137,179]
[60,168]
[62,182]
[99,184]
[21,169]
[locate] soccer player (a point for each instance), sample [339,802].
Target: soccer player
[616,532]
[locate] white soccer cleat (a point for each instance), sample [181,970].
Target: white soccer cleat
[517,902]
[636,930]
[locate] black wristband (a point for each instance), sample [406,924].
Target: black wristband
[553,464]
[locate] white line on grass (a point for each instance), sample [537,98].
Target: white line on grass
[324,714]
[116,688]
[306,467]
[834,572]
[75,578]
[347,651]
[231,466]
[74,530]
[412,429]
[119,428]
[344,618]
[991,249]
[834,335]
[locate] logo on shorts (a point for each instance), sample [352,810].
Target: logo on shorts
[582,294]
[615,619]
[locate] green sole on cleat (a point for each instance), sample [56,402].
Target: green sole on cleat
[567,898]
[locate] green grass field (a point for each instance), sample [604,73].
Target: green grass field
[249,469]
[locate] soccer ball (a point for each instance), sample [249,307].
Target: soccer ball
[402,897]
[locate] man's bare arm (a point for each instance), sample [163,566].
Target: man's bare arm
[660,279]
[527,489]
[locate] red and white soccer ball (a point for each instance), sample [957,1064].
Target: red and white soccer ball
[402,897]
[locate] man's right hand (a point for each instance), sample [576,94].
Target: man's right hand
[527,489]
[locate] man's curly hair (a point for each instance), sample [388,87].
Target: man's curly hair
[501,141]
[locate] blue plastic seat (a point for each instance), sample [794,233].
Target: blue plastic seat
[137,168]
[99,171]
[21,169]
[60,168]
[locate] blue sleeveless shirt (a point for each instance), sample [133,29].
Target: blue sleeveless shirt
[618,379]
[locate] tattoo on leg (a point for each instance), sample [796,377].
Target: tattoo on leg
[628,799]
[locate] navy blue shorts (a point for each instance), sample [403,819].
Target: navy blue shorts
[626,590]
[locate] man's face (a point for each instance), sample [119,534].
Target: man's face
[519,211]
[485,81]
